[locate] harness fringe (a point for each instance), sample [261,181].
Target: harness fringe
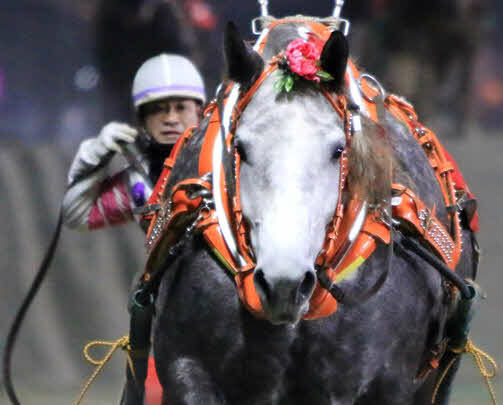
[122,343]
[479,356]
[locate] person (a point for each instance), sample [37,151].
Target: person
[168,94]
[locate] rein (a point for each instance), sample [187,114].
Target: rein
[21,313]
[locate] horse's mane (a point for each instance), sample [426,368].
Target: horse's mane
[373,165]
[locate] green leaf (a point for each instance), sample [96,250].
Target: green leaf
[280,83]
[289,84]
[325,76]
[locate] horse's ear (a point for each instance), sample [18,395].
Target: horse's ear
[244,65]
[334,57]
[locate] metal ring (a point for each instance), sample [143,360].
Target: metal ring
[254,24]
[343,26]
[137,303]
[373,80]
[260,23]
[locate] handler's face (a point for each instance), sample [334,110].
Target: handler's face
[166,120]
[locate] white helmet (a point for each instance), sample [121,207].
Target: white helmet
[167,75]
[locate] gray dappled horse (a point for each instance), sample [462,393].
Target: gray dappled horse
[210,350]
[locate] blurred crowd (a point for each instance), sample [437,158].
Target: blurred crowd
[66,67]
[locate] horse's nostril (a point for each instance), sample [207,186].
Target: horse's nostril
[262,283]
[307,284]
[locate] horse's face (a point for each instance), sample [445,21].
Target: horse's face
[290,149]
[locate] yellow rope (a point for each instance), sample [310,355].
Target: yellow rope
[479,357]
[122,343]
[441,379]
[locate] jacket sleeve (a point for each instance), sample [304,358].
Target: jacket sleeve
[94,200]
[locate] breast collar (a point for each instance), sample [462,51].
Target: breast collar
[353,233]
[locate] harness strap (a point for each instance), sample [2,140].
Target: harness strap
[240,225]
[159,190]
[186,202]
[139,346]
[245,99]
[443,169]
[414,215]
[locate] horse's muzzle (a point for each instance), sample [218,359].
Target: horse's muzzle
[284,300]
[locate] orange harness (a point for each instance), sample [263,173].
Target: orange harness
[182,202]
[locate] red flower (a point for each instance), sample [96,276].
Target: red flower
[303,58]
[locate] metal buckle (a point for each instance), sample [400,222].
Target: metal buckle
[387,218]
[461,200]
[376,84]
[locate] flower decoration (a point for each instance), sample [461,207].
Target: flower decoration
[301,60]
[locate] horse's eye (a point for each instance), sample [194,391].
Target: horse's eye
[240,147]
[337,152]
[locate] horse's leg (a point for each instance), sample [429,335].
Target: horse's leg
[261,361]
[193,385]
[249,371]
[427,392]
[208,348]
[178,336]
[316,362]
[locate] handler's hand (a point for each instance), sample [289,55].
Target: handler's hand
[115,133]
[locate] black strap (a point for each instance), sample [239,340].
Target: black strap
[139,341]
[21,313]
[410,245]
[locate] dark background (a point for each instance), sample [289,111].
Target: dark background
[66,69]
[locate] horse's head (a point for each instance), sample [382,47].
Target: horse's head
[290,146]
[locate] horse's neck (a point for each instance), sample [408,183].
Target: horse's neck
[187,162]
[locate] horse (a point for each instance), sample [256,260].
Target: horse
[396,309]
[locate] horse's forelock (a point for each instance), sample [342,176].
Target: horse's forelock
[280,36]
